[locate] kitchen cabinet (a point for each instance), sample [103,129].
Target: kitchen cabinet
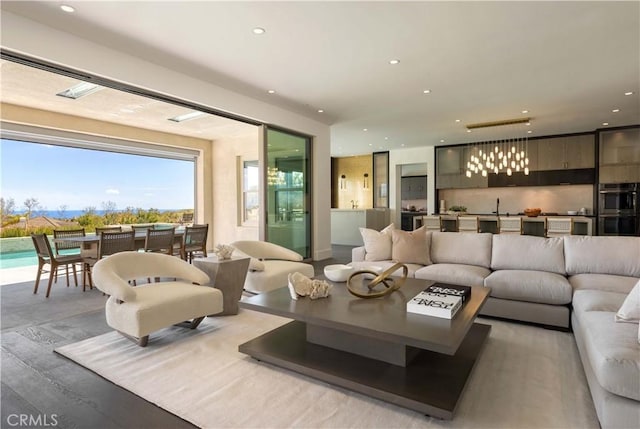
[564,153]
[620,156]
[451,169]
[413,188]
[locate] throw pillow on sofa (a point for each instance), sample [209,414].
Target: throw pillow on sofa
[377,244]
[410,247]
[630,309]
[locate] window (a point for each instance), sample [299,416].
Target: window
[70,180]
[250,197]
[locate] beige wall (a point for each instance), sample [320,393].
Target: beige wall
[353,187]
[228,156]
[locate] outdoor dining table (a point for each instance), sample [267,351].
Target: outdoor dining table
[89,243]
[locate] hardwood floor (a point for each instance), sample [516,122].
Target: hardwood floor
[43,385]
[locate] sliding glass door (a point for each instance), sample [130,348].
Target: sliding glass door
[288,190]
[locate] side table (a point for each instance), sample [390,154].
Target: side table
[228,275]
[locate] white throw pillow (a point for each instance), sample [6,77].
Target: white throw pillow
[377,244]
[410,247]
[630,310]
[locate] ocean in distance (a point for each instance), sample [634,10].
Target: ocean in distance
[70,214]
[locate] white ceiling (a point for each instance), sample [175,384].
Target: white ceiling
[568,63]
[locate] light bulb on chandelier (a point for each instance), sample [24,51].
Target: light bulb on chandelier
[503,155]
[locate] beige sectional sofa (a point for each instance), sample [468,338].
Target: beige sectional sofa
[572,282]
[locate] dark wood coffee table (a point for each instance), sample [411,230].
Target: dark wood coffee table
[373,346]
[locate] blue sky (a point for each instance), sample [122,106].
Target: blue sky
[80,178]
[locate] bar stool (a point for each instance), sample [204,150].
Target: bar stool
[559,226]
[468,224]
[510,225]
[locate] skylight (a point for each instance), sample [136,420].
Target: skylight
[187,116]
[80,90]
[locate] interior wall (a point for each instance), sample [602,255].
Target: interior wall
[227,189]
[400,157]
[28,37]
[352,187]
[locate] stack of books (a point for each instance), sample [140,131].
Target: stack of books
[440,300]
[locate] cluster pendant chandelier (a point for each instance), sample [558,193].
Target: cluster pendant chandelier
[499,156]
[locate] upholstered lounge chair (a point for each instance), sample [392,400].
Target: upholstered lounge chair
[270,265]
[138,311]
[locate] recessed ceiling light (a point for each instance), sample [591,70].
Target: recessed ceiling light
[386,138]
[402,145]
[370,144]
[628,93]
[67,8]
[320,111]
[259,30]
[80,90]
[468,131]
[525,111]
[271,91]
[187,116]
[365,129]
[529,132]
[442,141]
[426,91]
[457,120]
[394,62]
[528,124]
[615,110]
[605,123]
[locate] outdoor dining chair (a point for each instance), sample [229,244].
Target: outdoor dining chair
[101,229]
[110,243]
[67,248]
[46,256]
[142,228]
[194,242]
[160,240]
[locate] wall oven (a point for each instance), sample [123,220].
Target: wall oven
[618,225]
[618,198]
[619,209]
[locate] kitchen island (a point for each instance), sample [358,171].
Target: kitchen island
[346,224]
[539,225]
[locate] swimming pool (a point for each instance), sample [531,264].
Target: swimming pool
[24,258]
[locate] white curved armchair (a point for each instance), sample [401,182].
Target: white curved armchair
[270,265]
[137,311]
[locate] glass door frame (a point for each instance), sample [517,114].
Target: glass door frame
[263,187]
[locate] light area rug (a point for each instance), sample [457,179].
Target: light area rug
[526,377]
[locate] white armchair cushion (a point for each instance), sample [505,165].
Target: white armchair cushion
[630,309]
[264,250]
[158,305]
[112,273]
[377,243]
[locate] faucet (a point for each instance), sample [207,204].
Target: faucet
[497,212]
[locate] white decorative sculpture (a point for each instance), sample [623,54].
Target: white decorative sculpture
[223,251]
[301,285]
